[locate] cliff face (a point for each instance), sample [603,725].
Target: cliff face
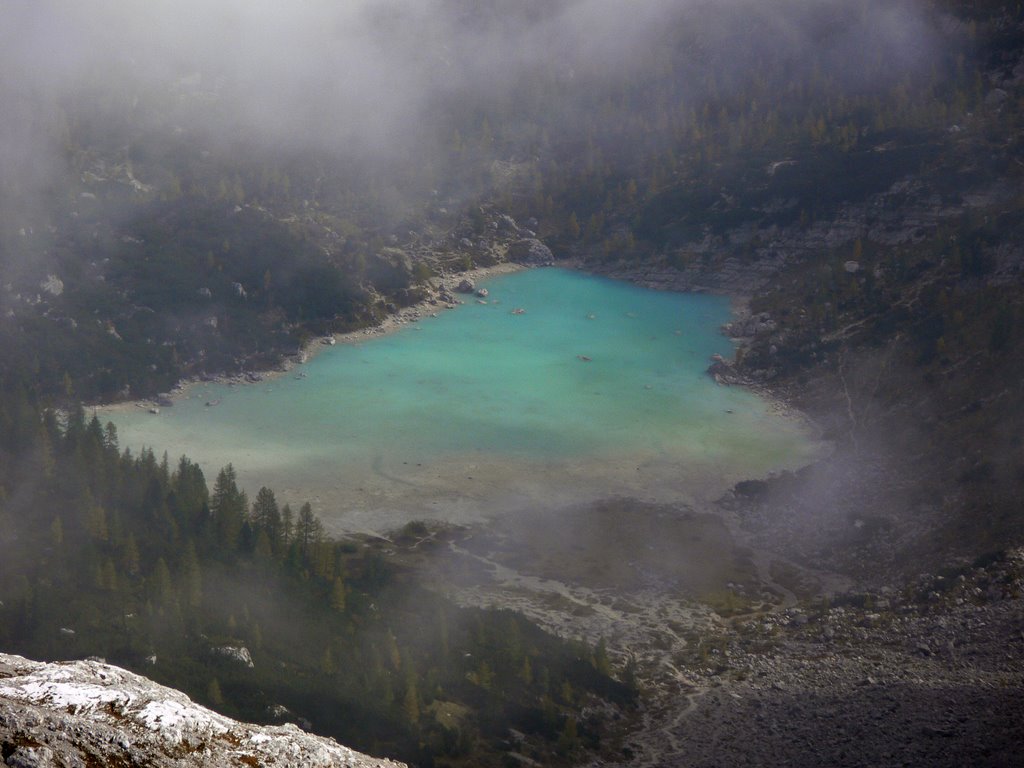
[87,713]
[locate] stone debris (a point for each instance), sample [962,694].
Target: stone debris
[931,673]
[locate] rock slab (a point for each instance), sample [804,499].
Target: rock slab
[85,713]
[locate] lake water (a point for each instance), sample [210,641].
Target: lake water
[597,389]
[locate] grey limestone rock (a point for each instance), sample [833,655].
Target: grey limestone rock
[507,224]
[84,713]
[236,653]
[530,251]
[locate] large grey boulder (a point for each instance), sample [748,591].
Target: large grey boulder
[236,653]
[530,250]
[86,713]
[507,224]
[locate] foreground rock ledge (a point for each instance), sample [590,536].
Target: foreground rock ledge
[86,713]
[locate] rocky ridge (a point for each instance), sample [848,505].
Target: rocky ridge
[744,259]
[88,713]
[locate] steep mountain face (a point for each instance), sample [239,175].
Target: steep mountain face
[88,713]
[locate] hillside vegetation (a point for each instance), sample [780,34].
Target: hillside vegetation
[251,609]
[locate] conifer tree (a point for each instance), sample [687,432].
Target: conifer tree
[213,693]
[308,531]
[161,589]
[287,525]
[266,518]
[338,594]
[191,577]
[228,506]
[411,700]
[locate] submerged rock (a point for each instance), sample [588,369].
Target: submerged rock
[53,285]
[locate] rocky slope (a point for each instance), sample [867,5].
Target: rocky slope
[790,666]
[929,674]
[88,713]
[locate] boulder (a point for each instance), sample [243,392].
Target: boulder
[465,286]
[396,258]
[752,325]
[507,224]
[90,713]
[995,97]
[530,251]
[236,653]
[723,371]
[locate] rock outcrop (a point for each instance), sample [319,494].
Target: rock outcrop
[86,713]
[530,251]
[235,653]
[724,372]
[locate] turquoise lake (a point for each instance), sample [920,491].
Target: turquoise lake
[597,388]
